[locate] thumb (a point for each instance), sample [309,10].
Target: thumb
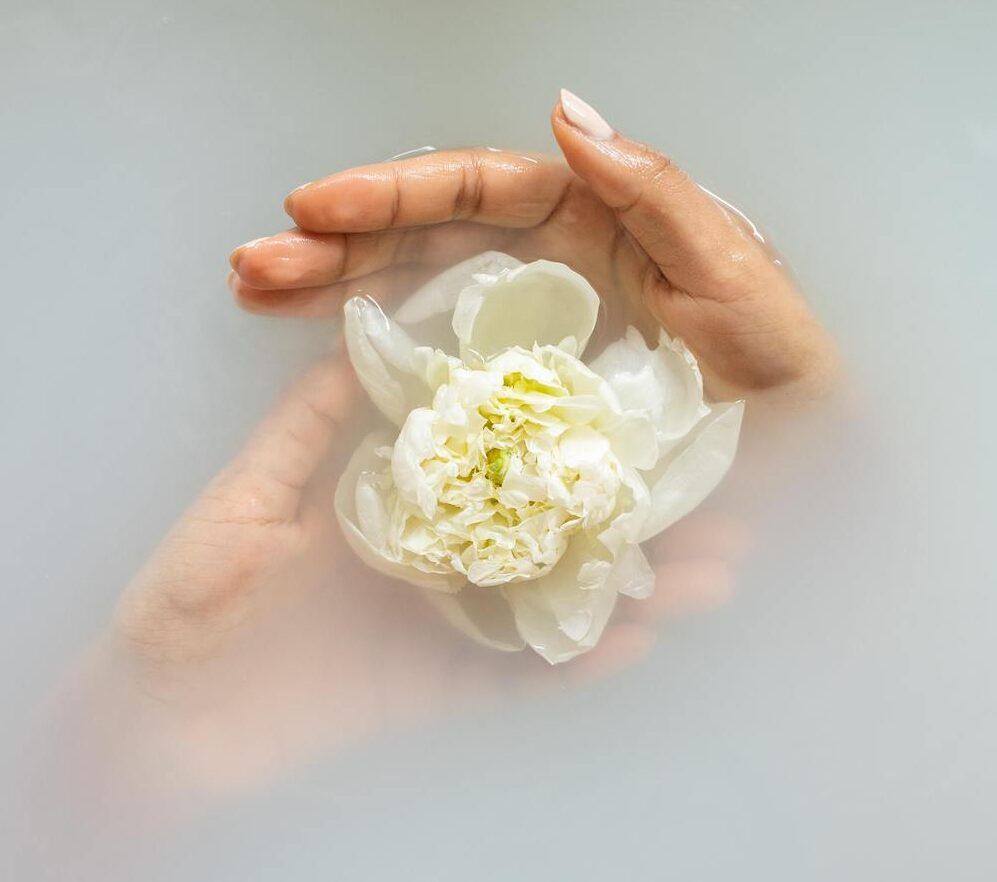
[714,282]
[195,588]
[272,471]
[698,246]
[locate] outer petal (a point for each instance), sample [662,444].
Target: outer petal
[564,613]
[397,374]
[539,303]
[415,445]
[628,522]
[665,383]
[634,441]
[428,311]
[690,473]
[483,614]
[632,574]
[359,510]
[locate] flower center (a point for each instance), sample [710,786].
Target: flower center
[515,472]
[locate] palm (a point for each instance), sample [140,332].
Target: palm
[254,610]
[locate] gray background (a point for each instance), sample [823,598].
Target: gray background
[837,720]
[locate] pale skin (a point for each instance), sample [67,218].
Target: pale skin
[253,639]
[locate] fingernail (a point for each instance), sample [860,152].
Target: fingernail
[236,255]
[585,117]
[289,199]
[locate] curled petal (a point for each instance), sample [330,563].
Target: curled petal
[397,374]
[427,312]
[563,614]
[684,478]
[665,383]
[361,511]
[583,447]
[632,574]
[627,525]
[483,614]
[415,445]
[538,303]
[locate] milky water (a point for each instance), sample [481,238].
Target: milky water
[834,719]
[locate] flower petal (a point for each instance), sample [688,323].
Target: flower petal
[538,303]
[634,441]
[359,506]
[633,509]
[583,446]
[632,574]
[665,383]
[427,312]
[483,614]
[397,374]
[682,480]
[414,446]
[563,614]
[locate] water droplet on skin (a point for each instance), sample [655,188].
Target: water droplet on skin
[409,154]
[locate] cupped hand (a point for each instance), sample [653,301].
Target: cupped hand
[254,639]
[647,237]
[258,636]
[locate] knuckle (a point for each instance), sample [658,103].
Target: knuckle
[467,199]
[657,167]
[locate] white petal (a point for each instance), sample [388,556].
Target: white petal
[582,446]
[522,361]
[563,614]
[397,374]
[627,525]
[689,474]
[427,312]
[634,441]
[665,383]
[369,546]
[632,574]
[539,303]
[414,446]
[483,614]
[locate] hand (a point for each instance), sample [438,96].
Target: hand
[619,212]
[254,640]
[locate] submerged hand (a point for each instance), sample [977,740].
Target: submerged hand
[257,640]
[619,212]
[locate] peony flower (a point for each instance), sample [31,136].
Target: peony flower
[519,481]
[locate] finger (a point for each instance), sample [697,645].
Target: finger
[326,301]
[709,279]
[270,474]
[621,646]
[704,534]
[685,587]
[695,242]
[299,259]
[488,186]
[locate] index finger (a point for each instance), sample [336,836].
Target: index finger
[496,187]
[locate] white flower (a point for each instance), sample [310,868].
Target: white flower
[521,481]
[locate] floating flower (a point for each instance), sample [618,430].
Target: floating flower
[521,481]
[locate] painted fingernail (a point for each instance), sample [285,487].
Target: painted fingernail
[585,117]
